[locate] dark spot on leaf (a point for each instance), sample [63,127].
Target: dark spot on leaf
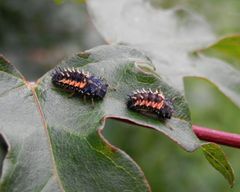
[3,152]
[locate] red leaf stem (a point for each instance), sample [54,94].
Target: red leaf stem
[216,136]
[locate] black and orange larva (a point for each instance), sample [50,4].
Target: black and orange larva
[79,82]
[149,102]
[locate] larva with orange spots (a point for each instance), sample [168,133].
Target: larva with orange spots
[149,102]
[79,82]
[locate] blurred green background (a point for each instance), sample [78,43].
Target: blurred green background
[36,35]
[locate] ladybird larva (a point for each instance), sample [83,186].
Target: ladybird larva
[79,82]
[151,103]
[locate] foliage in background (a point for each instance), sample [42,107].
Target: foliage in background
[37,35]
[73,1]
[223,16]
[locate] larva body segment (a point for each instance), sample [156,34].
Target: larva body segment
[150,102]
[79,82]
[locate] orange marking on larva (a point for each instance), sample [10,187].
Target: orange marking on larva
[62,80]
[148,103]
[82,85]
[67,82]
[142,103]
[159,106]
[77,84]
[72,82]
[137,103]
[154,105]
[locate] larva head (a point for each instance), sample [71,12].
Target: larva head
[57,75]
[97,88]
[167,110]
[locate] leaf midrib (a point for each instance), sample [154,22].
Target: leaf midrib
[219,163]
[44,122]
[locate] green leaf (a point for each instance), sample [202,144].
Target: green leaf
[46,154]
[8,68]
[63,1]
[222,53]
[221,14]
[216,157]
[227,49]
[125,69]
[55,142]
[28,165]
[220,63]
